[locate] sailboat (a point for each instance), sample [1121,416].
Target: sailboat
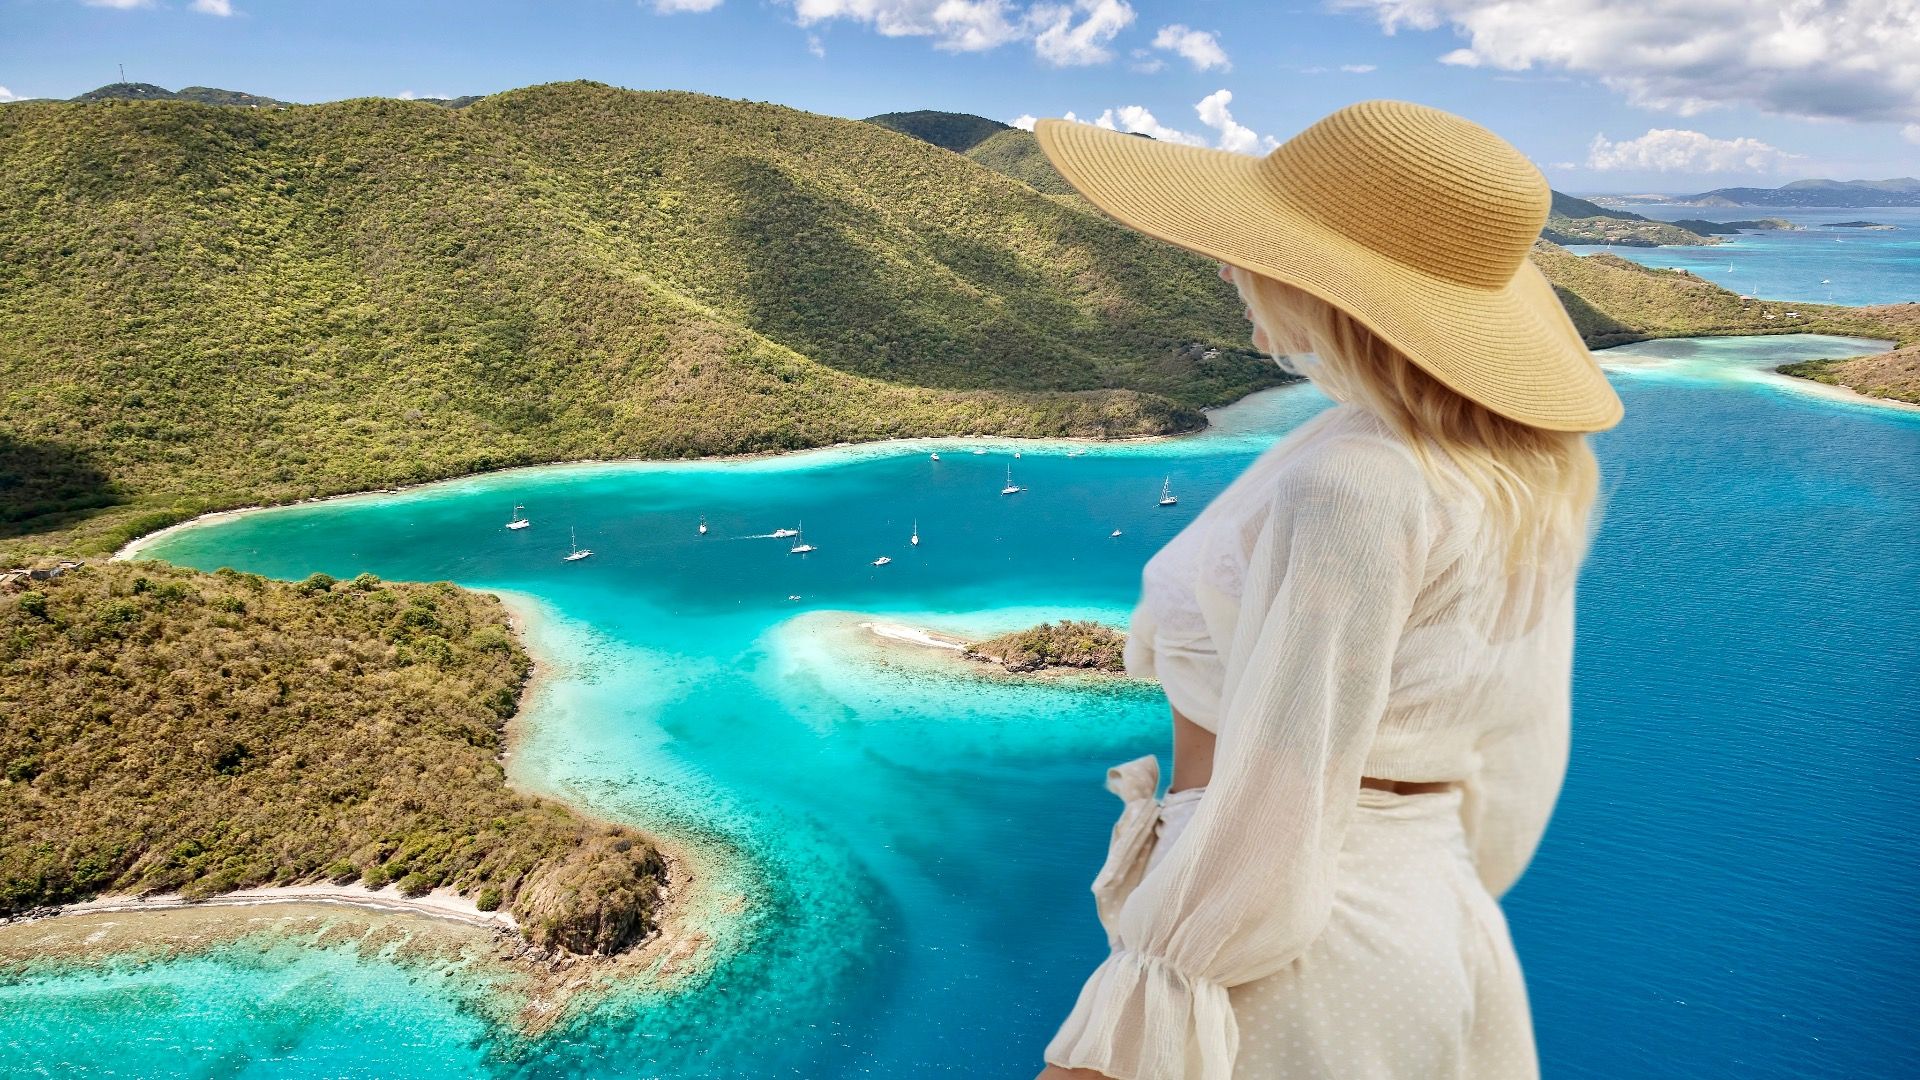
[1113,534]
[915,539]
[703,524]
[882,561]
[781,534]
[802,547]
[1010,489]
[1167,497]
[578,552]
[519,518]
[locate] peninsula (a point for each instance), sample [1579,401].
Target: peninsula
[175,732]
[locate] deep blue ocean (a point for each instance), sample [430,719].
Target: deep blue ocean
[1728,887]
[1814,263]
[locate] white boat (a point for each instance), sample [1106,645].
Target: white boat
[519,518]
[703,524]
[1114,533]
[979,450]
[1016,453]
[882,561]
[935,455]
[795,596]
[1167,497]
[1011,488]
[915,539]
[1826,281]
[578,552]
[782,534]
[802,547]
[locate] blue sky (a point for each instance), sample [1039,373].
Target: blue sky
[1605,95]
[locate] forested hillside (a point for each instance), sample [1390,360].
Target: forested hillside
[205,306]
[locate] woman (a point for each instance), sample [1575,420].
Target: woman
[1366,640]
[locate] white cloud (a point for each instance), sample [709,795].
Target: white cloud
[1024,121]
[1672,150]
[1212,110]
[816,46]
[408,95]
[675,7]
[1358,69]
[1911,133]
[956,25]
[123,5]
[1829,59]
[1199,47]
[222,8]
[1065,43]
[1145,63]
[1234,136]
[8,95]
[1064,34]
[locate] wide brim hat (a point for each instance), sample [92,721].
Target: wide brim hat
[1413,220]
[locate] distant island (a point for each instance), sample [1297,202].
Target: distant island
[1859,225]
[1892,375]
[1898,191]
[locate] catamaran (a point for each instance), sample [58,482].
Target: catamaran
[882,561]
[1167,497]
[802,547]
[578,552]
[1011,488]
[915,538]
[519,518]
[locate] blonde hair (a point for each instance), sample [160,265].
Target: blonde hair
[1540,487]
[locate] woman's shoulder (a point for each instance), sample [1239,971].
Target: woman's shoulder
[1357,457]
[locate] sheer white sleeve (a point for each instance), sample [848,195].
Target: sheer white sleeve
[1329,589]
[1508,801]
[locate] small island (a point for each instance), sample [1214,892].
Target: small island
[1874,225]
[1891,376]
[1068,643]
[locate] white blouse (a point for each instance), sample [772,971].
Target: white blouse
[1331,615]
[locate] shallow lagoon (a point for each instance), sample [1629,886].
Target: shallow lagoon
[1728,875]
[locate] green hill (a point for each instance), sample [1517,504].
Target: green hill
[205,95]
[958,132]
[1017,153]
[206,307]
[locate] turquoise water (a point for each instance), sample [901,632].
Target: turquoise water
[1728,876]
[1829,266]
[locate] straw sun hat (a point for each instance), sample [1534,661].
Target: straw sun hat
[1414,221]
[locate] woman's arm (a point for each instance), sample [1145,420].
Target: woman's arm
[1192,754]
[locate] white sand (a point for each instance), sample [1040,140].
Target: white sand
[439,904]
[914,635]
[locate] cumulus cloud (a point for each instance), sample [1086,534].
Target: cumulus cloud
[1228,134]
[1199,47]
[1826,59]
[1067,43]
[1024,121]
[1673,150]
[1234,136]
[1911,133]
[1063,34]
[8,95]
[222,8]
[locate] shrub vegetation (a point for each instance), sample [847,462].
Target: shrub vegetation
[168,730]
